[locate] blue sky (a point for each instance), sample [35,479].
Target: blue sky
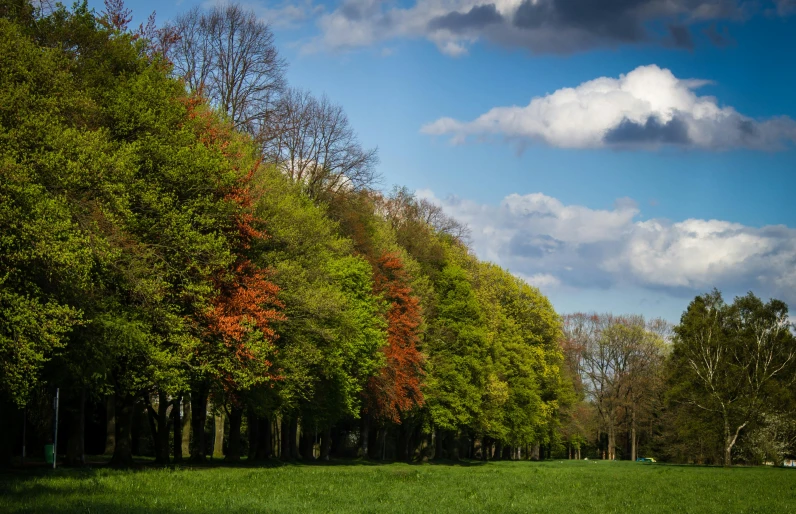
[631,194]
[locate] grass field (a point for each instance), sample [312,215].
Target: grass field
[568,486]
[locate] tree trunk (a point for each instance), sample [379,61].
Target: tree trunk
[163,426]
[176,420]
[730,440]
[307,444]
[425,446]
[254,434]
[284,431]
[365,435]
[264,443]
[454,443]
[110,424]
[611,441]
[218,442]
[159,426]
[123,447]
[382,448]
[403,442]
[438,447]
[235,422]
[291,438]
[186,425]
[633,435]
[9,430]
[198,418]
[326,443]
[75,445]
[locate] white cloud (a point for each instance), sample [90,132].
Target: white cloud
[552,244]
[543,281]
[645,108]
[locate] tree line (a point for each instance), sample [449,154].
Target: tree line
[198,256]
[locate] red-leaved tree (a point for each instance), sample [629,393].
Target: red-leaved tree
[397,387]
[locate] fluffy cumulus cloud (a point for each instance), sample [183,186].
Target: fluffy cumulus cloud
[646,108]
[551,244]
[542,26]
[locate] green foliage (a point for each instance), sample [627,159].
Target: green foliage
[329,344]
[734,362]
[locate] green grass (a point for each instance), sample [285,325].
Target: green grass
[568,486]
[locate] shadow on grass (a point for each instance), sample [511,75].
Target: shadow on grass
[95,464]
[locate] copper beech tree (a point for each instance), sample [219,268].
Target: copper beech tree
[396,388]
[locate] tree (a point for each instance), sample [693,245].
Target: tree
[396,389]
[731,360]
[313,142]
[617,359]
[458,371]
[228,54]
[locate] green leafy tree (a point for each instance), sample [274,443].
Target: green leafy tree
[731,361]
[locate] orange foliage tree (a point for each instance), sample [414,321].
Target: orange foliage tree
[396,388]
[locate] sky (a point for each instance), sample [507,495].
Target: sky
[621,155]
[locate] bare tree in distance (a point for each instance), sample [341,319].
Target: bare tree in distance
[312,141]
[228,54]
[618,359]
[404,206]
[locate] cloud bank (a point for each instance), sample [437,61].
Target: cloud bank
[646,108]
[541,26]
[551,244]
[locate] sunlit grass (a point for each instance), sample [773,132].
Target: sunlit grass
[556,486]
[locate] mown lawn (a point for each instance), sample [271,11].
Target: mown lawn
[568,486]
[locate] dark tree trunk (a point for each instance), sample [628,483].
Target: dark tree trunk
[75,445]
[307,443]
[365,431]
[425,447]
[235,421]
[264,443]
[123,449]
[9,431]
[403,442]
[159,426]
[176,420]
[284,431]
[291,438]
[254,434]
[454,443]
[438,440]
[199,394]
[110,424]
[326,444]
[338,442]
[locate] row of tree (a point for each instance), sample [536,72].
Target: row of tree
[189,245]
[198,257]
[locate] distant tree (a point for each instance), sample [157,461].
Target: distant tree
[617,359]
